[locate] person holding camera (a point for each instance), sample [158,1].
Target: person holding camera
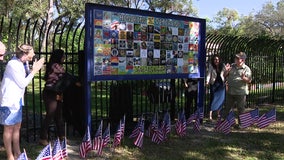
[15,80]
[53,96]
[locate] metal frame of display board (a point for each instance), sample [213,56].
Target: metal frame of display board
[130,44]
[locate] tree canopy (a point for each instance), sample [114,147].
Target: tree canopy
[268,22]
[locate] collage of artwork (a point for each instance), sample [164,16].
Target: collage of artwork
[134,44]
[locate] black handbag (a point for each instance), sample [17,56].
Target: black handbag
[65,81]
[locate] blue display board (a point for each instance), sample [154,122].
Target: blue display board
[130,44]
[127,44]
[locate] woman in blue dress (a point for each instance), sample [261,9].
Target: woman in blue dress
[215,79]
[16,78]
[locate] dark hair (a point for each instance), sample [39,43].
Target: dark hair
[55,57]
[213,64]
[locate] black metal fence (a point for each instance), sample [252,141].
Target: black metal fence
[265,58]
[111,99]
[44,38]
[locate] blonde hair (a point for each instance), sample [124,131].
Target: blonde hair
[23,49]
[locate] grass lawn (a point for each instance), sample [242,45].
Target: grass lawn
[241,144]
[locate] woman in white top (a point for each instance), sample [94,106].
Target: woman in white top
[216,81]
[13,85]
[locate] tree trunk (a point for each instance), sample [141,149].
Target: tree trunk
[47,24]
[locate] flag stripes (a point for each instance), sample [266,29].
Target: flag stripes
[86,144]
[249,118]
[267,118]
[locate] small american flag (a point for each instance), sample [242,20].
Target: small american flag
[166,125]
[104,141]
[218,123]
[196,126]
[181,124]
[64,148]
[122,126]
[267,118]
[45,154]
[225,126]
[137,129]
[196,115]
[106,136]
[139,140]
[154,124]
[249,118]
[117,136]
[56,151]
[23,156]
[98,137]
[192,117]
[86,144]
[178,126]
[157,135]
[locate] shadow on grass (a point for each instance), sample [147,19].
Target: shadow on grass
[249,143]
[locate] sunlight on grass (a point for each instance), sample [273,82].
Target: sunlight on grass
[234,152]
[195,155]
